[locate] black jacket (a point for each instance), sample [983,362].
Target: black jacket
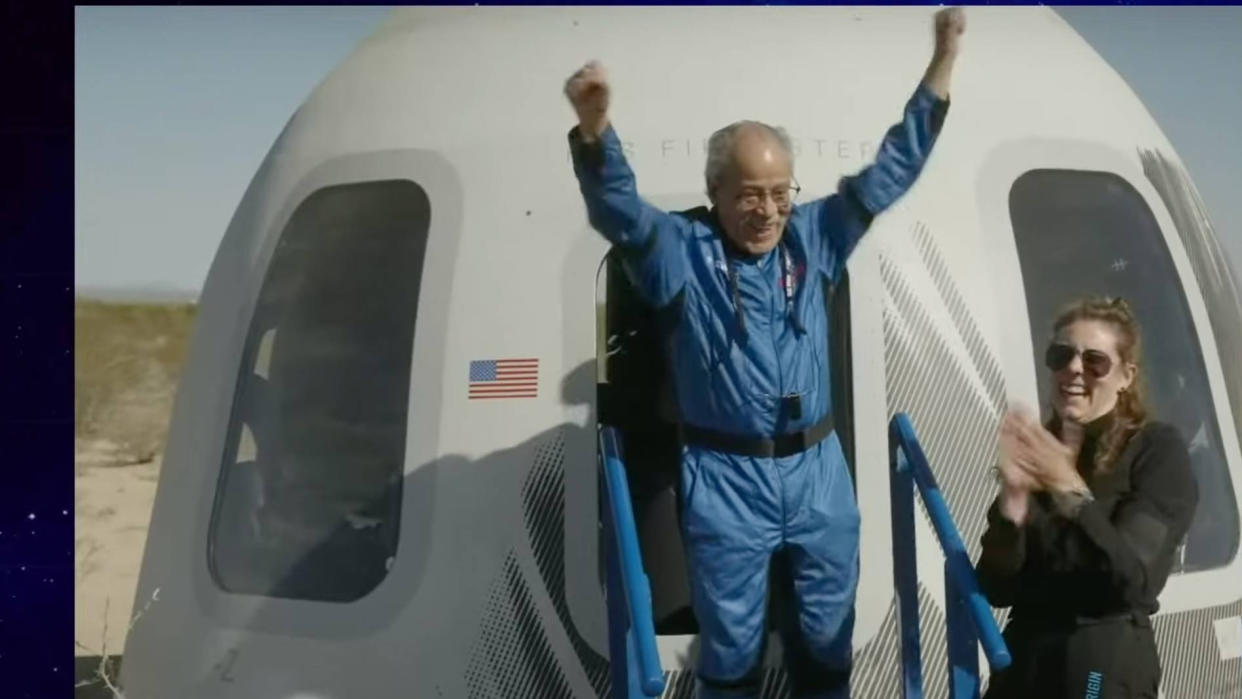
[1116,554]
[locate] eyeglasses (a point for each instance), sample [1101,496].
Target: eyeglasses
[783,196]
[1094,362]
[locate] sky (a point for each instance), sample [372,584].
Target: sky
[177,106]
[175,109]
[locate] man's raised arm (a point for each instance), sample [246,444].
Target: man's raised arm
[649,238]
[904,150]
[907,145]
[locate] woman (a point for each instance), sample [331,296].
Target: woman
[1092,508]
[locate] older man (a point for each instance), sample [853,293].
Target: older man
[740,284]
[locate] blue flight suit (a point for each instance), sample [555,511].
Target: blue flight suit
[747,359]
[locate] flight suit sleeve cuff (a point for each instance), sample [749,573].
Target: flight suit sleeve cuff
[593,155]
[926,100]
[1002,531]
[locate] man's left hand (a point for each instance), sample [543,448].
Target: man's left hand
[950,24]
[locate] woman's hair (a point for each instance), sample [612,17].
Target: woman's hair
[1130,413]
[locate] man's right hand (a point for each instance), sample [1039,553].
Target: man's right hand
[589,93]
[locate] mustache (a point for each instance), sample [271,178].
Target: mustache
[759,225]
[760,222]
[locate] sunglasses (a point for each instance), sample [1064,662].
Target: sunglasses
[1094,362]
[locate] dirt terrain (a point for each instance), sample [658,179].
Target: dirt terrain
[126,365]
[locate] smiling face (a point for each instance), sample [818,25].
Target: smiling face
[753,196]
[1088,371]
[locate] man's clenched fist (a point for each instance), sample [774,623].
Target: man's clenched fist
[588,92]
[950,23]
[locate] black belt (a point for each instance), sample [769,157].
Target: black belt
[761,447]
[1062,619]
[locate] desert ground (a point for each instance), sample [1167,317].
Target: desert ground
[127,361]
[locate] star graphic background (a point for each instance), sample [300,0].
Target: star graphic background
[36,340]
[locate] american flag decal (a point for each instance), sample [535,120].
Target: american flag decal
[504,378]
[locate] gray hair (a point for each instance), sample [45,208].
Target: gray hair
[720,148]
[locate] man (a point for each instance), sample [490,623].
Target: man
[739,284]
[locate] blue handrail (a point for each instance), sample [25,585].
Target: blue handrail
[625,570]
[968,614]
